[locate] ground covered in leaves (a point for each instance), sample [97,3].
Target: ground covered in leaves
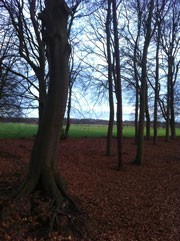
[138,203]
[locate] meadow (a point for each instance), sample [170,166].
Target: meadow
[22,130]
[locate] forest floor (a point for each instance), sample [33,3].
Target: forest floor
[138,203]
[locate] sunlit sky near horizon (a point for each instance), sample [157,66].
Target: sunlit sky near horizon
[89,111]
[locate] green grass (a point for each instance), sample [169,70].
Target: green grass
[78,130]
[101,131]
[17,130]
[20,130]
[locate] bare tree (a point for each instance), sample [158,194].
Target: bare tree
[170,45]
[74,64]
[29,44]
[43,169]
[110,80]
[100,48]
[148,31]
[159,18]
[10,96]
[118,87]
[132,53]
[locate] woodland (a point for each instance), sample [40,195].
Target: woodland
[112,51]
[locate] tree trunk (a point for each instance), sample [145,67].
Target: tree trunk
[42,91]
[148,121]
[136,75]
[140,145]
[43,167]
[168,102]
[172,122]
[110,82]
[68,111]
[172,115]
[118,87]
[136,113]
[110,125]
[156,89]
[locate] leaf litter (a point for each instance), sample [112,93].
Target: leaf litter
[137,203]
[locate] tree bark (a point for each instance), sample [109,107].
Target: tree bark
[110,83]
[172,122]
[172,82]
[136,122]
[118,87]
[156,89]
[43,163]
[140,145]
[170,45]
[168,104]
[136,74]
[68,111]
[148,121]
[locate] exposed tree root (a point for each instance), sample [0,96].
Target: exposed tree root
[64,211]
[68,223]
[27,187]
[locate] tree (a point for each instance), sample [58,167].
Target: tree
[74,73]
[143,88]
[159,19]
[29,44]
[156,89]
[132,35]
[43,170]
[74,64]
[135,67]
[10,97]
[99,47]
[118,88]
[110,81]
[170,45]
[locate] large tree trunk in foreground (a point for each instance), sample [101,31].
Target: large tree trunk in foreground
[42,169]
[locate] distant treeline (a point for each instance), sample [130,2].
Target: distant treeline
[19,120]
[76,121]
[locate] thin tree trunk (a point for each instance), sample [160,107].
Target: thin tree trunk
[172,123]
[156,97]
[140,145]
[110,83]
[136,114]
[148,121]
[172,115]
[136,76]
[68,111]
[168,103]
[118,86]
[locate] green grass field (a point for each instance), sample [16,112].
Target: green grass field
[20,130]
[17,130]
[101,131]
